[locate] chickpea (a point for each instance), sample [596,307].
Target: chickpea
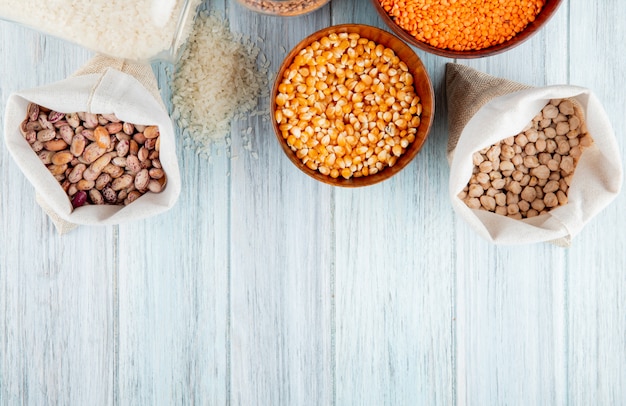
[528,174]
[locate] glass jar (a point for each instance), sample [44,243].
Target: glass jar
[139,30]
[284,8]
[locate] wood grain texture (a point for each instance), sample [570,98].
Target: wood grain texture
[173,295]
[56,301]
[561,350]
[596,312]
[173,287]
[510,300]
[394,296]
[263,286]
[510,338]
[281,251]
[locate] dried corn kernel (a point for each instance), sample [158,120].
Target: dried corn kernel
[366,109]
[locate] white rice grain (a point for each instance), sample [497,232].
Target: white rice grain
[216,81]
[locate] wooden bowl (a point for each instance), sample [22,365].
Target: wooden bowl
[421,83]
[546,13]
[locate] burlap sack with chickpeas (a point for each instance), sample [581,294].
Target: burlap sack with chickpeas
[523,169]
[123,92]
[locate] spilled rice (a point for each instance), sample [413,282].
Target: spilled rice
[216,81]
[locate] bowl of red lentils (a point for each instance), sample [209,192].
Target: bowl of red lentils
[352,105]
[465,28]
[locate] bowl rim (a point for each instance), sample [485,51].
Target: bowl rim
[426,120]
[542,18]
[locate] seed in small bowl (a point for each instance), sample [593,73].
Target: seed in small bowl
[352,105]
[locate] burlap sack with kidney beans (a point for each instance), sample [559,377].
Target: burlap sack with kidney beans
[483,110]
[103,85]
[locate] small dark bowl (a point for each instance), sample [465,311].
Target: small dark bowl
[542,18]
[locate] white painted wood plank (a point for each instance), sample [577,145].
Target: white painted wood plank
[395,272]
[56,301]
[510,300]
[57,315]
[509,324]
[281,252]
[173,289]
[597,260]
[528,325]
[173,295]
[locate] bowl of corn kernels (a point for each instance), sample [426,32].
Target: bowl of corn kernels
[352,105]
[465,28]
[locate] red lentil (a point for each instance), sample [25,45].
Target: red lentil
[463,25]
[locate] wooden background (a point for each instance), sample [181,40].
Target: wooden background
[264,287]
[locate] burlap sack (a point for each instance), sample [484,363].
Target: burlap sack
[103,85]
[483,110]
